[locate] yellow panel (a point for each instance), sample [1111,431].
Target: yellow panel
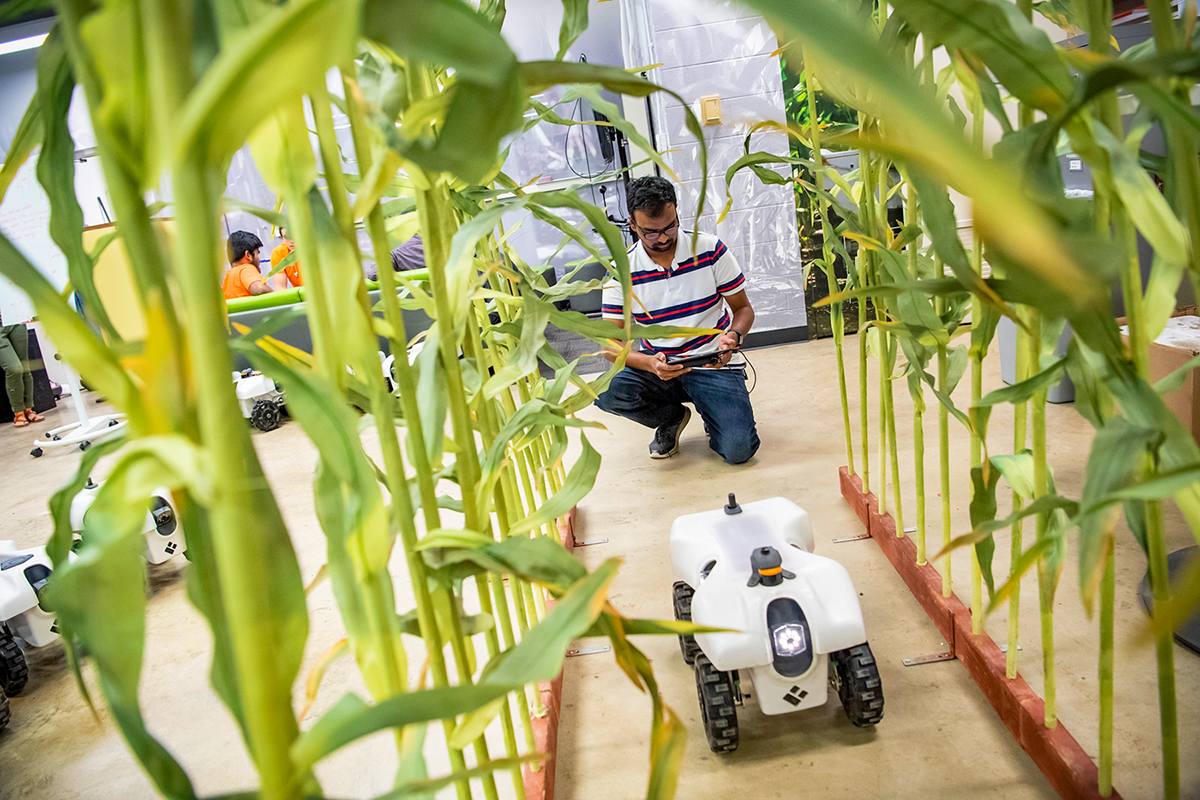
[114,280]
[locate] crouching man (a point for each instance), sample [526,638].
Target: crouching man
[677,287]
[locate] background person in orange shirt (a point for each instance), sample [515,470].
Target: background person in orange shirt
[281,251]
[244,279]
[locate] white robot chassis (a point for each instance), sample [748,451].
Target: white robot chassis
[794,621]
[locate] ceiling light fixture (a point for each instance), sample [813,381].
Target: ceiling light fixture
[17,45]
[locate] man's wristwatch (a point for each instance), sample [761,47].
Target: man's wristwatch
[741,335]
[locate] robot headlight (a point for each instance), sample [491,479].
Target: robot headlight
[790,640]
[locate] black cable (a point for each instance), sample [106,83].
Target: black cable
[753,372]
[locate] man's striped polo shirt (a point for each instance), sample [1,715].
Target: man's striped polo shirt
[689,295]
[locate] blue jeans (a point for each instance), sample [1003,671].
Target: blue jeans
[719,396]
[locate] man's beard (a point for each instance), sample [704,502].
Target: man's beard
[663,247]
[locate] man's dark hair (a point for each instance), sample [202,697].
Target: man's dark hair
[651,195]
[241,243]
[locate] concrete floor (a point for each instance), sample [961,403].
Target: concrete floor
[939,737]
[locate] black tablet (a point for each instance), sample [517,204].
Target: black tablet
[697,360]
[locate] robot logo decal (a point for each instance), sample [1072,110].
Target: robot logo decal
[795,695]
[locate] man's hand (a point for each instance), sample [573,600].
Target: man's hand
[728,341]
[659,366]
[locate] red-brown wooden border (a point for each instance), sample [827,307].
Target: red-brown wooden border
[539,783]
[1066,766]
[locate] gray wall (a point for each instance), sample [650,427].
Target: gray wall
[724,48]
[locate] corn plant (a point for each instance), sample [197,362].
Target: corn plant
[472,477]
[1053,259]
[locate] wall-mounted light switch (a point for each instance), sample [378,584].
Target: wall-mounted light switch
[710,109]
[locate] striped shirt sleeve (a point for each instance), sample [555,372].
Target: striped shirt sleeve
[730,279]
[612,301]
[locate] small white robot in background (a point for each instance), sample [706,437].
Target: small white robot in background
[23,576]
[259,398]
[798,627]
[161,531]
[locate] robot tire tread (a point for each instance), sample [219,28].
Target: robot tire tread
[715,691]
[14,671]
[859,686]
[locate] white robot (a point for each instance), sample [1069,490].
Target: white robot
[161,530]
[23,576]
[797,625]
[259,398]
[24,573]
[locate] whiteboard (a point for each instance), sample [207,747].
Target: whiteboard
[25,221]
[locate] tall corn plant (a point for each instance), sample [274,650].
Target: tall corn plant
[430,90]
[1057,258]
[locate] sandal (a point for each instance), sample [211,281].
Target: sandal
[33,416]
[19,420]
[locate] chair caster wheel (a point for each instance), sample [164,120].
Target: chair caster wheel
[84,446]
[36,452]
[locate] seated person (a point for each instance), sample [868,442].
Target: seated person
[290,274]
[408,256]
[681,288]
[244,279]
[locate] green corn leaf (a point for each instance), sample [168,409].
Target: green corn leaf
[618,121]
[986,88]
[429,785]
[1029,559]
[541,75]
[28,135]
[959,358]
[56,173]
[99,598]
[523,428]
[413,767]
[539,559]
[269,64]
[574,22]
[1088,389]
[61,541]
[351,719]
[1024,390]
[79,345]
[578,483]
[538,657]
[937,212]
[540,654]
[276,218]
[472,624]
[485,101]
[19,8]
[1045,504]
[431,399]
[668,740]
[1175,380]
[912,307]
[352,513]
[1017,469]
[983,510]
[1020,56]
[656,627]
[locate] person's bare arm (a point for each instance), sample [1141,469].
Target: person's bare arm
[259,287]
[743,318]
[656,364]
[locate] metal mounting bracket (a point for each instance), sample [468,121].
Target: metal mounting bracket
[931,659]
[590,542]
[587,651]
[852,538]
